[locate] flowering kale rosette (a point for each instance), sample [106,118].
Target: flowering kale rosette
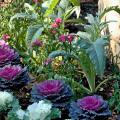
[8,56]
[89,108]
[55,91]
[13,77]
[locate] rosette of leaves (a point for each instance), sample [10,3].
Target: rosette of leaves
[42,110]
[55,91]
[6,100]
[90,108]
[8,56]
[13,77]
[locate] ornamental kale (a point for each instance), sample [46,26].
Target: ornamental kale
[42,110]
[13,77]
[89,108]
[55,91]
[8,56]
[6,100]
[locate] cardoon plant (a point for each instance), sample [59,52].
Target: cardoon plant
[56,91]
[89,108]
[8,56]
[13,77]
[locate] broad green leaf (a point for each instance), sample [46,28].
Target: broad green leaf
[96,52]
[75,2]
[52,6]
[88,69]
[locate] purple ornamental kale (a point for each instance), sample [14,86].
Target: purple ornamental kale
[89,108]
[8,56]
[13,77]
[55,91]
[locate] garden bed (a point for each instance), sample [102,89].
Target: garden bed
[55,64]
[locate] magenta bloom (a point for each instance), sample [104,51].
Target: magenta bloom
[50,87]
[55,91]
[58,20]
[62,38]
[70,38]
[10,72]
[90,103]
[5,37]
[54,25]
[37,43]
[8,55]
[47,61]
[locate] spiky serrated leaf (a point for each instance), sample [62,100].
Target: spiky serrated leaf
[108,9]
[33,32]
[32,16]
[61,53]
[96,52]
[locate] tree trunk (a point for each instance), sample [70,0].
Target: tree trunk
[113,27]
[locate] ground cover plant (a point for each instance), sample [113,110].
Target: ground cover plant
[48,71]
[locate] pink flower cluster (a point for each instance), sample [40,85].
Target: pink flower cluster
[63,38]
[56,23]
[5,37]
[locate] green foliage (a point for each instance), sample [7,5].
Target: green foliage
[115,98]
[85,64]
[65,8]
[94,45]
[52,6]
[108,9]
[23,16]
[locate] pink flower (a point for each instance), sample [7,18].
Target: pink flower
[54,25]
[58,20]
[3,43]
[5,37]
[70,38]
[48,61]
[37,43]
[62,38]
[90,102]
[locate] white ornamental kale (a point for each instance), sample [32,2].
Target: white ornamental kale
[36,111]
[20,114]
[5,100]
[39,110]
